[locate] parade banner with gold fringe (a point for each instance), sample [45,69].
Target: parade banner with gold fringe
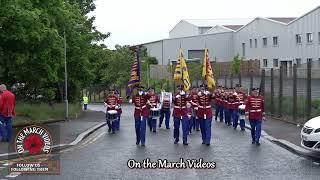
[134,75]
[207,72]
[181,74]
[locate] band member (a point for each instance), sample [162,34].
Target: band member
[217,94]
[141,114]
[166,101]
[233,105]
[221,102]
[111,102]
[255,113]
[120,102]
[205,114]
[154,101]
[194,122]
[242,97]
[227,119]
[180,115]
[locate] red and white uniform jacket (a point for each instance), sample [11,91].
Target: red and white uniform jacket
[7,104]
[141,109]
[255,107]
[218,99]
[111,102]
[233,102]
[153,99]
[204,105]
[120,101]
[193,98]
[180,105]
[166,100]
[242,97]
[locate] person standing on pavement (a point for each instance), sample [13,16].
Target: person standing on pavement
[193,98]
[226,109]
[205,113]
[234,105]
[255,113]
[141,114]
[7,112]
[217,95]
[85,100]
[111,102]
[165,101]
[221,102]
[180,115]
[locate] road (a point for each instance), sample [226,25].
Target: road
[105,156]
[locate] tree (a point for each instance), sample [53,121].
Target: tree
[236,65]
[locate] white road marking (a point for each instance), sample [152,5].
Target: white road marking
[6,164]
[2,168]
[13,174]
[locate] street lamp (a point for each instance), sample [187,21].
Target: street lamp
[66,72]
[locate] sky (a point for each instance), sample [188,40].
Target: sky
[133,22]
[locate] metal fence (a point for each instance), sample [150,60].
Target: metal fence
[292,96]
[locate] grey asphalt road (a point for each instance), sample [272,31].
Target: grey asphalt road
[236,158]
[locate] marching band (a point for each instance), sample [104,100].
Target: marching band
[190,109]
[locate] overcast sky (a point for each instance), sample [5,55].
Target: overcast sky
[138,21]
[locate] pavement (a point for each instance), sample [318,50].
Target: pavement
[105,156]
[65,132]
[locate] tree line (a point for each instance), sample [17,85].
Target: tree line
[32,50]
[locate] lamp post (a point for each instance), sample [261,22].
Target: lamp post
[78,26]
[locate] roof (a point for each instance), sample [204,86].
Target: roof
[283,19]
[233,27]
[214,22]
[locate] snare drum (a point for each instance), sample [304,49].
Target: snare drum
[154,112]
[112,115]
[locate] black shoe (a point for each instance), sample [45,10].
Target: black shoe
[234,128]
[142,144]
[185,143]
[253,142]
[109,130]
[137,143]
[242,129]
[113,132]
[198,130]
[168,128]
[203,143]
[176,141]
[154,131]
[229,124]
[257,143]
[208,144]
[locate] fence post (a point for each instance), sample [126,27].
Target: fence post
[231,80]
[240,83]
[272,93]
[251,80]
[280,91]
[262,83]
[294,110]
[225,80]
[308,110]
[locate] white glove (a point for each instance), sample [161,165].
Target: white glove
[178,96]
[104,104]
[206,92]
[117,107]
[199,93]
[182,93]
[196,108]
[130,101]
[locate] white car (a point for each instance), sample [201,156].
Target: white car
[310,135]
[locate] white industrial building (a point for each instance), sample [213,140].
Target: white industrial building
[272,41]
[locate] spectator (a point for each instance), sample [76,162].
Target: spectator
[7,112]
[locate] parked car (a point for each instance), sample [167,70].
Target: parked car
[310,135]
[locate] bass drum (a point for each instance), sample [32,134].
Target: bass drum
[112,115]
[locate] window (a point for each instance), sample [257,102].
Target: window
[275,41]
[255,43]
[250,43]
[298,62]
[265,62]
[275,62]
[309,37]
[195,54]
[298,38]
[265,42]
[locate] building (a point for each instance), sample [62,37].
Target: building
[273,41]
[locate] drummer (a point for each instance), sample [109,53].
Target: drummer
[111,102]
[120,102]
[153,104]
